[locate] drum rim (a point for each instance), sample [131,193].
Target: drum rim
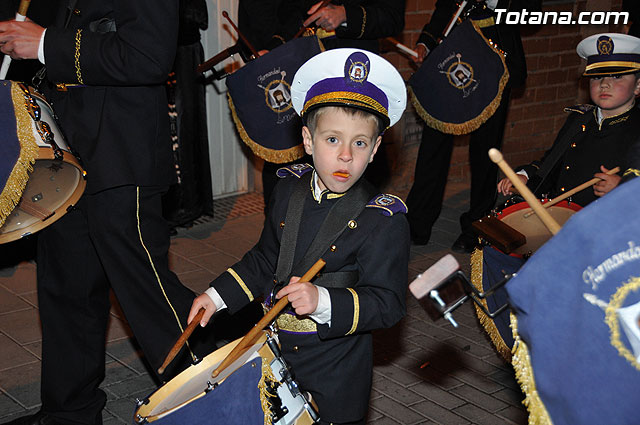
[523,205]
[164,390]
[47,153]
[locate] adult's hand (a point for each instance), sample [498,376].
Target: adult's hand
[20,40]
[329,17]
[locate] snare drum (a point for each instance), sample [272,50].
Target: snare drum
[56,182]
[531,226]
[256,388]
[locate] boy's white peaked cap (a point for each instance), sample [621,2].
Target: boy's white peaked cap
[350,77]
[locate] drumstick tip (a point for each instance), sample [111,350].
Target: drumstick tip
[495,155]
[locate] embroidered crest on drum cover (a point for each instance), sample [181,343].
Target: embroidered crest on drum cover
[388,204]
[277,92]
[622,311]
[460,74]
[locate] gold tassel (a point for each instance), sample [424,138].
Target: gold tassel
[487,322]
[17,181]
[271,155]
[473,124]
[263,386]
[521,362]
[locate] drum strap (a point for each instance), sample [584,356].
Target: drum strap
[345,209]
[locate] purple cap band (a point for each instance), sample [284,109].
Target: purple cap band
[341,84]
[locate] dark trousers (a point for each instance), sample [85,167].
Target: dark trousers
[116,239]
[432,167]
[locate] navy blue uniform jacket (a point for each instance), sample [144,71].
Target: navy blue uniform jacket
[129,144]
[333,363]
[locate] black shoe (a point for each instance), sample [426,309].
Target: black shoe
[464,244]
[39,418]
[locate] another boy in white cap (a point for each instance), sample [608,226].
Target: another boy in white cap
[346,98]
[595,138]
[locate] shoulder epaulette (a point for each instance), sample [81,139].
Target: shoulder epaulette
[297,170]
[388,204]
[581,109]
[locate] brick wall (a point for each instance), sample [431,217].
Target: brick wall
[536,110]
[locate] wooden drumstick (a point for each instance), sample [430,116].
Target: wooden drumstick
[574,190]
[181,341]
[402,47]
[547,220]
[21,15]
[244,40]
[254,334]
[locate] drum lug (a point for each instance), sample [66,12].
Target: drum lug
[140,419]
[140,402]
[210,387]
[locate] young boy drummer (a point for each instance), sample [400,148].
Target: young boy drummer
[346,98]
[595,138]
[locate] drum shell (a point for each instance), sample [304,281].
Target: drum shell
[168,404]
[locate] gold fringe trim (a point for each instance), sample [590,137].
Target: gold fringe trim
[487,322]
[521,363]
[473,124]
[263,387]
[272,155]
[17,181]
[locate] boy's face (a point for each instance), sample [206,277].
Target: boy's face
[614,94]
[342,146]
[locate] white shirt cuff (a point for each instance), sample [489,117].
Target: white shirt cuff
[41,47]
[491,4]
[216,298]
[322,315]
[523,173]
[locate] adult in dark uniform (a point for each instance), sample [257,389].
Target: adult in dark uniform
[595,138]
[344,23]
[434,156]
[107,63]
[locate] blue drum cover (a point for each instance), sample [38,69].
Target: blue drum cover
[236,401]
[460,83]
[260,101]
[577,304]
[495,265]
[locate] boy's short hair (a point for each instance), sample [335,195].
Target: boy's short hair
[311,118]
[350,78]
